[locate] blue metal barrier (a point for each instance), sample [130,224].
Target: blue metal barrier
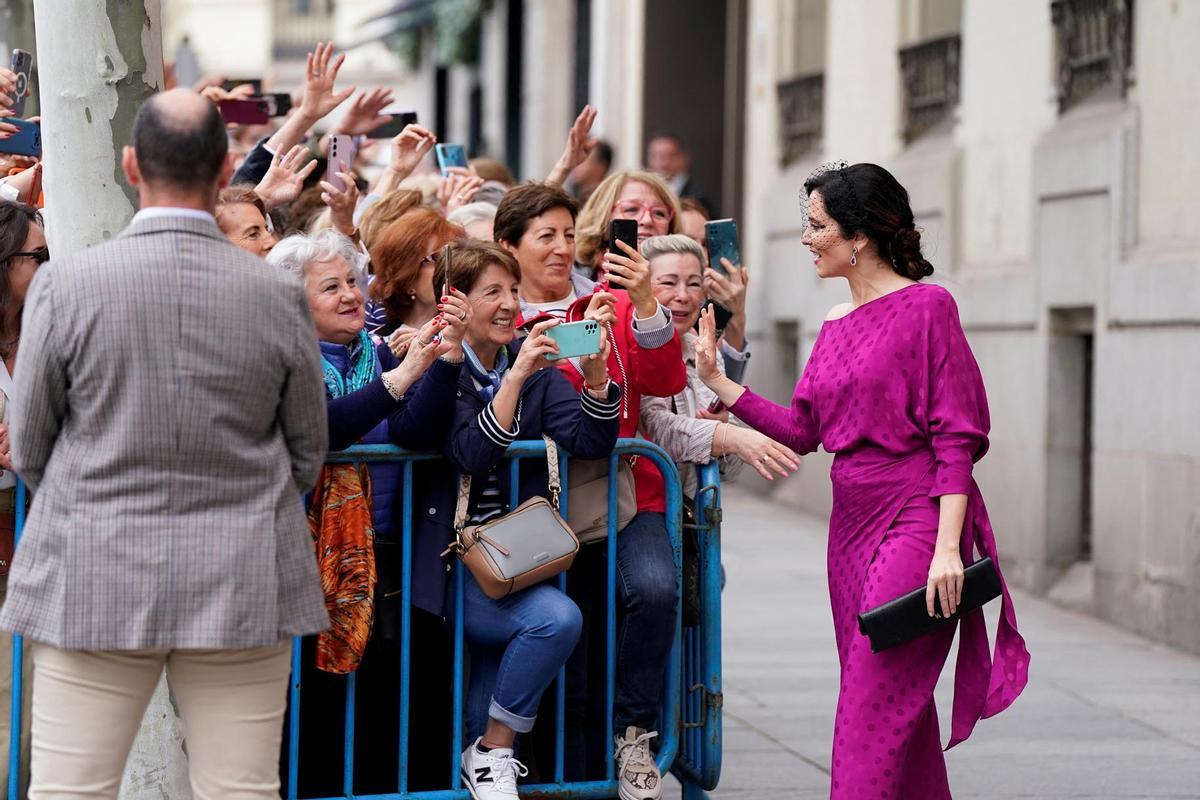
[690,731]
[698,766]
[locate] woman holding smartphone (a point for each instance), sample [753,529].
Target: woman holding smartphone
[892,390]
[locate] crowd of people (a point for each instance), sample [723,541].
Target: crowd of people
[404,307]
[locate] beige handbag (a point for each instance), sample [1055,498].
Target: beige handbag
[520,549]
[587,507]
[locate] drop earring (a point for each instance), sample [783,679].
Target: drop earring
[854,256]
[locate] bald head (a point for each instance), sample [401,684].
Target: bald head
[179,140]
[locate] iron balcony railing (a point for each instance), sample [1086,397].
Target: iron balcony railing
[930,75]
[801,116]
[1095,48]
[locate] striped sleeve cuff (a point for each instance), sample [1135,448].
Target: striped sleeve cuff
[655,331]
[602,409]
[492,429]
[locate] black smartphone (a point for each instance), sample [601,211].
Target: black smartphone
[722,236]
[22,65]
[623,230]
[231,84]
[278,103]
[400,120]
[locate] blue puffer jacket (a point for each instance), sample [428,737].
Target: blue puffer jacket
[549,404]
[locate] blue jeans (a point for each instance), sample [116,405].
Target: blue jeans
[647,601]
[517,646]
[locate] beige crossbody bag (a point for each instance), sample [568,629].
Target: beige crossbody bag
[520,549]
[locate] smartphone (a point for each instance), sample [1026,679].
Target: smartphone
[575,339]
[623,230]
[278,103]
[722,237]
[450,155]
[22,64]
[27,141]
[252,111]
[400,120]
[716,406]
[232,84]
[341,159]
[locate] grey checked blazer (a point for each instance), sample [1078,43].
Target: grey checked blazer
[169,412]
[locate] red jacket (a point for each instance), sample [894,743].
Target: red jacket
[659,372]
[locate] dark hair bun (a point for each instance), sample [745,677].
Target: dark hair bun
[906,255]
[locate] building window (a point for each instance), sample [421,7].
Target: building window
[801,116]
[930,74]
[298,24]
[1095,49]
[801,88]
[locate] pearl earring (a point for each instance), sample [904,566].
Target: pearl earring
[854,257]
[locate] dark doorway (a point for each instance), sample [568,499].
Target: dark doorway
[1069,439]
[694,64]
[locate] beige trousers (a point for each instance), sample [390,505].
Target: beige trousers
[88,705]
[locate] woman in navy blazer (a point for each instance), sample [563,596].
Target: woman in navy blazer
[508,392]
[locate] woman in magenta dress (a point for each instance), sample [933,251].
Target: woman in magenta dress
[893,391]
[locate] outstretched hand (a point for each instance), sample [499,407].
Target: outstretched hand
[579,146]
[285,178]
[321,71]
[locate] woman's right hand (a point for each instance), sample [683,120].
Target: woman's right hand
[424,347]
[532,355]
[706,350]
[766,455]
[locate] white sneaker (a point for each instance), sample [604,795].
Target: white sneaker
[638,774]
[491,775]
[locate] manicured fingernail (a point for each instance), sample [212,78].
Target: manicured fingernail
[444,299]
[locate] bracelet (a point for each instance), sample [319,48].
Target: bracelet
[446,357]
[391,387]
[601,388]
[723,430]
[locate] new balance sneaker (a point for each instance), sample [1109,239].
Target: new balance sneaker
[638,774]
[491,775]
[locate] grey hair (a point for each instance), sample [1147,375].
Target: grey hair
[298,251]
[472,213]
[676,243]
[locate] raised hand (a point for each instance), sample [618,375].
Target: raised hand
[457,189]
[632,273]
[455,310]
[578,147]
[409,147]
[706,349]
[533,352]
[285,179]
[602,308]
[341,203]
[321,70]
[363,115]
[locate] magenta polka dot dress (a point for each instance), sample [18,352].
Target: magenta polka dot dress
[893,391]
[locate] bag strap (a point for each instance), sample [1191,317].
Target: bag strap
[552,467]
[464,485]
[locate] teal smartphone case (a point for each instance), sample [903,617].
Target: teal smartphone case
[722,236]
[450,155]
[575,339]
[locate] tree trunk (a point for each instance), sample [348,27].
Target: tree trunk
[98,62]
[96,66]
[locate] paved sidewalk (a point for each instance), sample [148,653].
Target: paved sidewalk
[1106,714]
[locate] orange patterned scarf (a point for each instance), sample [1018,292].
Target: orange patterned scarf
[339,519]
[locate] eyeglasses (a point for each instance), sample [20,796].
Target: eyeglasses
[40,256]
[632,209]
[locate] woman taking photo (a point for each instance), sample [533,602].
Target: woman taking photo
[508,392]
[892,390]
[632,194]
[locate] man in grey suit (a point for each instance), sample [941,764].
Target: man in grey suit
[169,412]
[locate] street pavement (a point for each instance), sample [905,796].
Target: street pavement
[1106,714]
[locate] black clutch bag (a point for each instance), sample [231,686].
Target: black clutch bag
[907,617]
